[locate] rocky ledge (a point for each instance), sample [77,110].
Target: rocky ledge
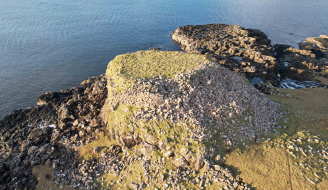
[46,133]
[249,52]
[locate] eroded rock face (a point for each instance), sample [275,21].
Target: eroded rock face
[321,42]
[306,63]
[241,50]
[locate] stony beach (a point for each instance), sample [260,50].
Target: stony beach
[169,120]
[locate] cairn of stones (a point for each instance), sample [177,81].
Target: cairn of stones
[208,103]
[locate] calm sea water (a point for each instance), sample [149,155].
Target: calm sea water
[49,45]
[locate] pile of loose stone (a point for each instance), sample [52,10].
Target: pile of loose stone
[81,175]
[208,96]
[210,101]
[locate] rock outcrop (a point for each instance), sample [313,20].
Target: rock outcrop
[241,50]
[249,53]
[306,63]
[47,132]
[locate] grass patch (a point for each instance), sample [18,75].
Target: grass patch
[246,80]
[87,151]
[321,80]
[271,164]
[261,168]
[147,64]
[124,69]
[121,118]
[45,184]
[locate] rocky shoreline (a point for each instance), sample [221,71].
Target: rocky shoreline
[56,130]
[249,52]
[43,134]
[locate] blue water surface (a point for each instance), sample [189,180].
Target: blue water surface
[49,45]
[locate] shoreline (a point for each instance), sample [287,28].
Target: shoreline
[74,118]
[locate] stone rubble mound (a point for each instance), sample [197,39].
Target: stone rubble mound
[209,102]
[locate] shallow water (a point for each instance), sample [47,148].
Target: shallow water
[49,45]
[295,84]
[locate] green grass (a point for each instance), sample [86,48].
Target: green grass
[124,69]
[147,64]
[87,151]
[269,165]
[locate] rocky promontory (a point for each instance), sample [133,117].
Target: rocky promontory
[249,52]
[242,50]
[170,120]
